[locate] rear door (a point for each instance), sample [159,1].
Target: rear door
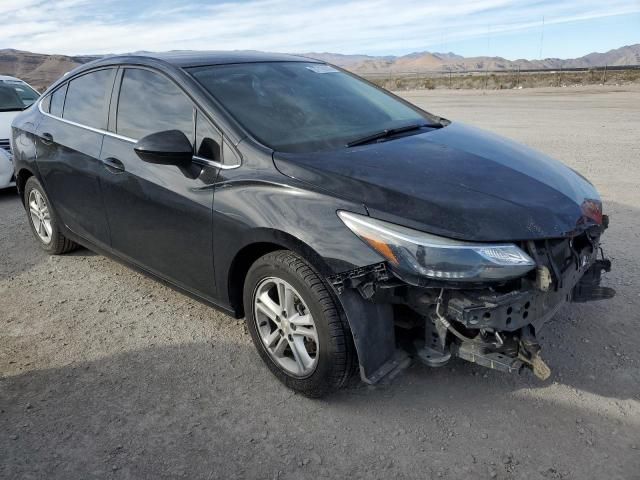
[68,151]
[160,215]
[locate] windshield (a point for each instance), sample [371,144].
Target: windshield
[304,107]
[16,95]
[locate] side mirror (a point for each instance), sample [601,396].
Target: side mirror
[171,147]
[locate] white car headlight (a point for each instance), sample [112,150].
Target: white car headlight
[437,257]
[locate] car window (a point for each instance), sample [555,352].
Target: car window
[149,103]
[304,107]
[208,140]
[229,154]
[88,97]
[45,105]
[9,99]
[26,94]
[57,101]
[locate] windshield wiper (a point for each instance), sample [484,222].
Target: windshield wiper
[391,131]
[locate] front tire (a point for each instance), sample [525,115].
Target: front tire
[296,325]
[43,221]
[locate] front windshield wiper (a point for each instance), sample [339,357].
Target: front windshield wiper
[391,131]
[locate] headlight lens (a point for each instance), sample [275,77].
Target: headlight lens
[439,257]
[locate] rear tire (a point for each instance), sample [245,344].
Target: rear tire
[43,221]
[325,359]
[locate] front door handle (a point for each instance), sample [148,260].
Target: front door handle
[46,138]
[113,165]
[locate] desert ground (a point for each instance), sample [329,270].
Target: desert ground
[105,373]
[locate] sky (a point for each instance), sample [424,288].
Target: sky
[510,29]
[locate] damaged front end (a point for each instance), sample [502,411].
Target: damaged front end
[482,319]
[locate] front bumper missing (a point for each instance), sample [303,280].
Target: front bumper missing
[493,327]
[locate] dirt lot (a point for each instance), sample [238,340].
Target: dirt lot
[107,374]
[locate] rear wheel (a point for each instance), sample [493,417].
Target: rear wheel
[296,325]
[43,221]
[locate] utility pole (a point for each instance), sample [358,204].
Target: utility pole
[541,39]
[604,75]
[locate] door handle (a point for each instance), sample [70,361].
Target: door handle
[113,165]
[46,138]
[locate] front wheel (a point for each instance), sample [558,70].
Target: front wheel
[296,325]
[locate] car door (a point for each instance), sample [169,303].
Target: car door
[69,139]
[160,215]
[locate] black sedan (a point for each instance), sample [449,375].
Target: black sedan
[352,229]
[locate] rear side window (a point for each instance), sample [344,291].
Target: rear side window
[57,101]
[88,98]
[151,103]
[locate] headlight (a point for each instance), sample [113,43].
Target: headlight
[438,257]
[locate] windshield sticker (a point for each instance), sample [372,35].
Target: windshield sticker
[322,69]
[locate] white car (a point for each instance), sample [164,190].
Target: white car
[15,96]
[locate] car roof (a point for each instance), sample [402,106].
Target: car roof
[185,59]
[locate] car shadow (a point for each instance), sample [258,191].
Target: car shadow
[187,411]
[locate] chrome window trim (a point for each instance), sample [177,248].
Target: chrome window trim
[198,159]
[212,163]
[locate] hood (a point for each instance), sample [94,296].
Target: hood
[457,181]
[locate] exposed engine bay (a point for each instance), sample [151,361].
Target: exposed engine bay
[493,324]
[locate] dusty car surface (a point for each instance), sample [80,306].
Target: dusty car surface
[352,229]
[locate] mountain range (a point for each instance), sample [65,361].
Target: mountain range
[40,70]
[430,61]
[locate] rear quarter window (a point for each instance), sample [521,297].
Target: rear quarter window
[57,101]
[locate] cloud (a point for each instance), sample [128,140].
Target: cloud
[357,26]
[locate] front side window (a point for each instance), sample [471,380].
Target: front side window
[149,103]
[88,98]
[303,107]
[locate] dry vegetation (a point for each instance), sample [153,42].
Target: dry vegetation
[504,80]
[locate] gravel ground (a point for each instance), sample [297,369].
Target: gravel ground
[107,374]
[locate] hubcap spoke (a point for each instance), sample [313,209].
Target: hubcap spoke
[269,307]
[33,208]
[306,332]
[271,339]
[301,320]
[281,346]
[300,354]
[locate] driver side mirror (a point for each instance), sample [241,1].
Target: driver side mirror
[171,147]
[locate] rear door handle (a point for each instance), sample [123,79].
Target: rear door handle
[113,165]
[46,138]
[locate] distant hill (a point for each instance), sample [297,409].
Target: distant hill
[40,70]
[429,61]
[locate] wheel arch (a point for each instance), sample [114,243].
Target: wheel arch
[262,242]
[21,179]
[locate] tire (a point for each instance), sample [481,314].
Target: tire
[57,243]
[335,357]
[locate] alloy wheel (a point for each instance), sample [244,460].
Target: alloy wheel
[286,326]
[40,216]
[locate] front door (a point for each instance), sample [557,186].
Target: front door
[160,215]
